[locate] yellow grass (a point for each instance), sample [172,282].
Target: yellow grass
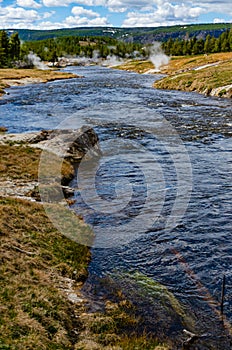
[215,80]
[183,76]
[178,64]
[136,66]
[22,162]
[11,76]
[34,312]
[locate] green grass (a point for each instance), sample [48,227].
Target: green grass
[34,312]
[203,81]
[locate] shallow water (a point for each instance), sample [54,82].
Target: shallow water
[159,198]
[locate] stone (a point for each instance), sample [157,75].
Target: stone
[72,145]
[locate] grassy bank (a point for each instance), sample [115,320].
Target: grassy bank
[19,161]
[10,77]
[136,66]
[36,260]
[210,75]
[41,271]
[207,74]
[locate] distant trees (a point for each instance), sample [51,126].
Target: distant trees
[194,46]
[11,51]
[9,48]
[83,47]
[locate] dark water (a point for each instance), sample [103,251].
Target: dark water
[160,197]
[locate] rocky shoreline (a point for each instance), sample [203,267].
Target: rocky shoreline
[71,145]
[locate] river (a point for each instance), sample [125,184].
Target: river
[159,199]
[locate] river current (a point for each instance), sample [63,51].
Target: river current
[159,198]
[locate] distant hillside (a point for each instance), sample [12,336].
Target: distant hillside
[142,35]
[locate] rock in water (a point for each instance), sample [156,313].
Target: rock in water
[69,144]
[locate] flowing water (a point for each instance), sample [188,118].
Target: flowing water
[159,198]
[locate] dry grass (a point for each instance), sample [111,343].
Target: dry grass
[203,81]
[11,76]
[136,66]
[179,64]
[110,331]
[22,162]
[34,313]
[183,76]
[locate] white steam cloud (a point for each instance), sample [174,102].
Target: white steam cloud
[36,61]
[112,61]
[109,61]
[157,56]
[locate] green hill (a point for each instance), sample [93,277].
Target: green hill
[143,35]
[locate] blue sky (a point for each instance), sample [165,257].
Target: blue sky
[50,14]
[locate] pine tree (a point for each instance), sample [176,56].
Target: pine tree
[207,45]
[14,47]
[4,47]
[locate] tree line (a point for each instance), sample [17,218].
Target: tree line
[9,49]
[51,49]
[14,53]
[194,46]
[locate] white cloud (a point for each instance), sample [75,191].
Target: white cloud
[142,13]
[79,11]
[48,14]
[72,21]
[28,3]
[84,17]
[124,5]
[165,13]
[219,20]
[54,3]
[17,17]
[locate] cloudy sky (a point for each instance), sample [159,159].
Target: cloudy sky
[49,14]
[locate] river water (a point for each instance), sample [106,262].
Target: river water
[159,198]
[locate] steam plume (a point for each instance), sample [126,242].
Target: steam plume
[157,56]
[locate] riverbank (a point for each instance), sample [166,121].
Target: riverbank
[42,271]
[206,74]
[14,77]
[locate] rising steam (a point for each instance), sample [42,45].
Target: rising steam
[35,60]
[157,56]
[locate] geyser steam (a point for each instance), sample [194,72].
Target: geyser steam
[36,61]
[157,56]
